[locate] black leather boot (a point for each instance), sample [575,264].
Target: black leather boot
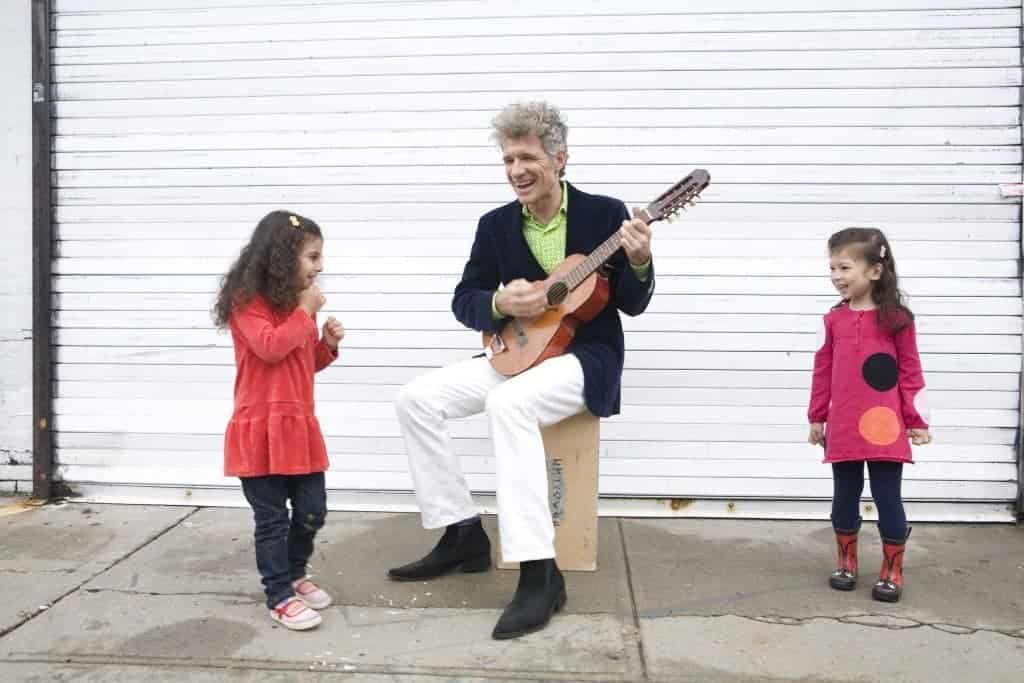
[541,593]
[463,546]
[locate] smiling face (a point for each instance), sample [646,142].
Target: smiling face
[853,277]
[534,174]
[310,261]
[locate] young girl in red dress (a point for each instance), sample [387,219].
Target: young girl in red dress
[269,299]
[867,400]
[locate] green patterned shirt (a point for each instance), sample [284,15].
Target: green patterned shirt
[547,242]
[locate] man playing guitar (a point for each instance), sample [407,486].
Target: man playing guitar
[516,246]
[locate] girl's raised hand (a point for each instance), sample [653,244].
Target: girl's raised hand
[334,332]
[816,437]
[312,299]
[919,437]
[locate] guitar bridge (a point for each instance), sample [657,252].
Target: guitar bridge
[497,345]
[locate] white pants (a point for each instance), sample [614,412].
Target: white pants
[516,408]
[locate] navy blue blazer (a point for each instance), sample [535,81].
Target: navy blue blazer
[500,254]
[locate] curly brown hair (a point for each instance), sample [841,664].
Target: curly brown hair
[874,248]
[268,265]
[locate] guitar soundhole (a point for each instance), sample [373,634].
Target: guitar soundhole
[557,293]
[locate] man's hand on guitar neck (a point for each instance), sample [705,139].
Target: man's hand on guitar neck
[636,240]
[521,299]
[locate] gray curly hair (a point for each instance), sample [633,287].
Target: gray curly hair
[520,119]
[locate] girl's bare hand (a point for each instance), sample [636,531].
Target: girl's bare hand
[334,332]
[919,437]
[816,437]
[312,299]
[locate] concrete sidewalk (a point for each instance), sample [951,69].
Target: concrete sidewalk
[122,593]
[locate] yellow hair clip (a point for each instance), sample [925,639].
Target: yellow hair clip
[295,221]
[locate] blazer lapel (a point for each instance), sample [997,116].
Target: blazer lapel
[577,236]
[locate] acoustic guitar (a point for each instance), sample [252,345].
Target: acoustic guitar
[576,292]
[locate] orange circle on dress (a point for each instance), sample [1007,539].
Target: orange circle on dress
[879,426]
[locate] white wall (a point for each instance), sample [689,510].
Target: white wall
[177,128]
[16,253]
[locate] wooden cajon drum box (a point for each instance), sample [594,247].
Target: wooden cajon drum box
[572,454]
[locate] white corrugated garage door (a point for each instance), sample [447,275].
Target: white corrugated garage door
[180,125]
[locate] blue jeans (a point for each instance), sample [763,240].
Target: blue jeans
[886,481]
[284,544]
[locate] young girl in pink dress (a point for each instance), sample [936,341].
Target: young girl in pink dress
[868,401]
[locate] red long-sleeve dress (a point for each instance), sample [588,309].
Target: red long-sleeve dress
[273,429]
[868,388]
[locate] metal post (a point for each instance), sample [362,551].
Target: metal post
[42,240]
[1020,409]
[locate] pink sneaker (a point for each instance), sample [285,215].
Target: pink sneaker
[294,614]
[310,593]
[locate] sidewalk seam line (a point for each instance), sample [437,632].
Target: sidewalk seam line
[632,600]
[52,603]
[302,666]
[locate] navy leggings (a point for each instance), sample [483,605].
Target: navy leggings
[848,484]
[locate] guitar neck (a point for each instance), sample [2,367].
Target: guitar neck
[598,257]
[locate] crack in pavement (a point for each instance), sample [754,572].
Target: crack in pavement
[635,638]
[230,598]
[408,614]
[52,603]
[342,668]
[870,620]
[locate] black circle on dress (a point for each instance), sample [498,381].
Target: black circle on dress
[879,371]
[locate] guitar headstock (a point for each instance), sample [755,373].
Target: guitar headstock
[677,197]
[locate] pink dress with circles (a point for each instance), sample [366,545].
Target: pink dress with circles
[868,388]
